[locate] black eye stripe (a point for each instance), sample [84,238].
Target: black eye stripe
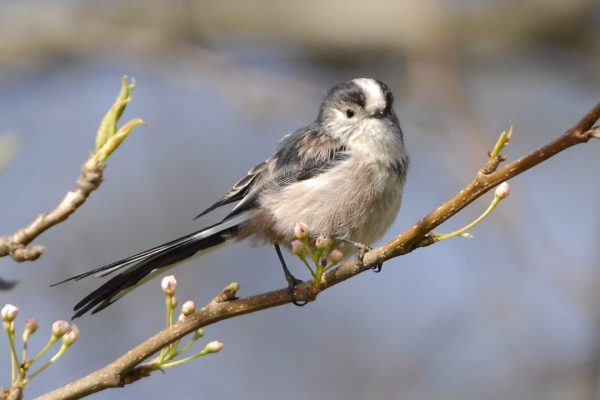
[357,98]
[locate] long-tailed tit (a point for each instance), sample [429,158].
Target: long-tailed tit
[342,176]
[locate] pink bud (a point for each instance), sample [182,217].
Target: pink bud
[301,231]
[323,242]
[336,256]
[188,308]
[503,190]
[59,328]
[297,247]
[214,347]
[71,336]
[30,327]
[168,284]
[9,312]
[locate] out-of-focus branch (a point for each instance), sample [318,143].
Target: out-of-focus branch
[125,369]
[8,147]
[108,139]
[13,393]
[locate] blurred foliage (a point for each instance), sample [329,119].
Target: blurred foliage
[9,146]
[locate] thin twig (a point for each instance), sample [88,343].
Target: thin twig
[15,245]
[125,368]
[108,138]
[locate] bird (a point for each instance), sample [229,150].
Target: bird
[342,176]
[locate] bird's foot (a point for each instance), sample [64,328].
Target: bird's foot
[292,282]
[362,250]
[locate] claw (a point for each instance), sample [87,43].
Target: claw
[377,268]
[291,290]
[362,250]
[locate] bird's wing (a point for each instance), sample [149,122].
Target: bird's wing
[300,156]
[240,188]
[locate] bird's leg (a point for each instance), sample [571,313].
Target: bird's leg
[291,280]
[362,250]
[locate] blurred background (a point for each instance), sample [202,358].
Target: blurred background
[513,313]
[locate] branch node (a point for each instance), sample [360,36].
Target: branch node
[136,374]
[227,294]
[90,178]
[495,158]
[427,240]
[492,164]
[22,253]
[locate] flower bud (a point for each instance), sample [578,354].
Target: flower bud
[297,248]
[323,242]
[180,318]
[503,190]
[30,327]
[188,308]
[9,313]
[168,284]
[336,256]
[213,347]
[59,328]
[199,332]
[301,231]
[173,301]
[71,336]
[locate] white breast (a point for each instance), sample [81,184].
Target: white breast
[352,200]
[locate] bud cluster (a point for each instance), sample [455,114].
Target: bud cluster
[168,355]
[21,367]
[320,252]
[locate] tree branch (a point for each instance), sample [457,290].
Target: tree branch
[15,245]
[123,370]
[108,139]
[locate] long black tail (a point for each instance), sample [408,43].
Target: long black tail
[143,265]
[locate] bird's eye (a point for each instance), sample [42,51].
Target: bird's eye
[349,113]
